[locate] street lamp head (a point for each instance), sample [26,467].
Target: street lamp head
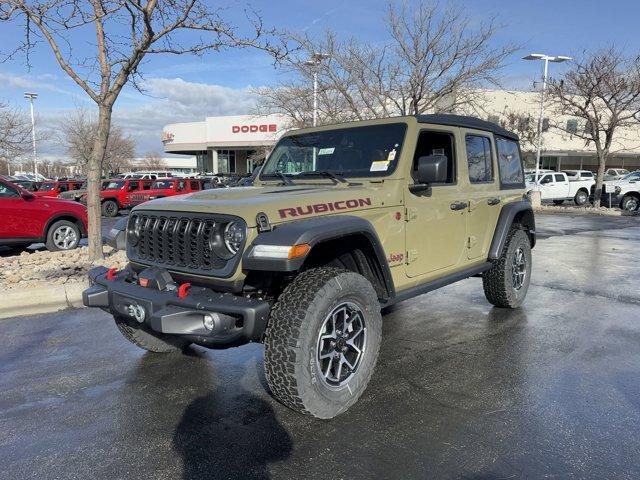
[534,56]
[560,59]
[31,95]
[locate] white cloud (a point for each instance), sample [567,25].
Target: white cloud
[167,101]
[41,82]
[176,100]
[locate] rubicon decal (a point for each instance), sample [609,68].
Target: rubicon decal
[324,207]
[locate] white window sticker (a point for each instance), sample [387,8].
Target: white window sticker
[326,151]
[392,155]
[379,166]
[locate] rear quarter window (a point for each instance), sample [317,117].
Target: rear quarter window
[509,163]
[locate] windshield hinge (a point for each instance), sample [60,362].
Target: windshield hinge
[412,256]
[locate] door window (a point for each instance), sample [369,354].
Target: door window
[479,159]
[436,143]
[8,192]
[63,187]
[509,163]
[546,179]
[195,185]
[181,185]
[560,178]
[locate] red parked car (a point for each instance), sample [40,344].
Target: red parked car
[167,187]
[26,219]
[53,189]
[116,194]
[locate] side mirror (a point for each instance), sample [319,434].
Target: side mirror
[28,196]
[431,169]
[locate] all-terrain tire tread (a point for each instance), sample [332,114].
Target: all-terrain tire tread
[282,346]
[494,282]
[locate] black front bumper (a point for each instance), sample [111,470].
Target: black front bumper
[236,320]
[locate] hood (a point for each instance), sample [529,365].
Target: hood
[280,203]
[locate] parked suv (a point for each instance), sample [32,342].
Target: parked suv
[116,194]
[28,219]
[341,221]
[55,188]
[167,187]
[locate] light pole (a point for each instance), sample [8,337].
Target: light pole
[314,61]
[546,59]
[32,96]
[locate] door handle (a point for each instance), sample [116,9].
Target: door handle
[459,205]
[493,201]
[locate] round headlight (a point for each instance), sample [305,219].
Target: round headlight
[233,237]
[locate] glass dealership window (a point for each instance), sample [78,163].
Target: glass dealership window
[226,161]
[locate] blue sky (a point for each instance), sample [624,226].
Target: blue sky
[189,88]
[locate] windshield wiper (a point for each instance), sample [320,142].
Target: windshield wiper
[285,179]
[335,176]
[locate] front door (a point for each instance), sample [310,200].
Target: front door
[436,222]
[484,199]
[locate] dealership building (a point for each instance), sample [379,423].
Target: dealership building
[236,144]
[229,144]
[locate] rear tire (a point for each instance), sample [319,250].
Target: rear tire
[146,339]
[110,208]
[325,318]
[507,281]
[581,198]
[63,235]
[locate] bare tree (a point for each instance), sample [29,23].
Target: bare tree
[153,161]
[78,134]
[15,133]
[524,124]
[434,59]
[125,32]
[603,90]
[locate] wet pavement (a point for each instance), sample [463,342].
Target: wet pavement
[462,390]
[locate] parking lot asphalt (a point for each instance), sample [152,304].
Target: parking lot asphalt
[461,390]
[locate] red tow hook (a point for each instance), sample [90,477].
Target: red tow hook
[183,290]
[111,273]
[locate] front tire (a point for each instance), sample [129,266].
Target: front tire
[323,340]
[146,339]
[62,235]
[630,203]
[581,198]
[507,281]
[109,208]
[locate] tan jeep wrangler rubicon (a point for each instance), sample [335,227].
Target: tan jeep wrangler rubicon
[342,221]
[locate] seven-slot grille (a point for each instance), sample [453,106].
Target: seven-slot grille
[174,241]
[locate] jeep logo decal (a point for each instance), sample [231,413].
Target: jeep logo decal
[324,207]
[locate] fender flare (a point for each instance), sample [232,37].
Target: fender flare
[315,231]
[505,220]
[64,216]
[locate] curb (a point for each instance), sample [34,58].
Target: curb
[45,299]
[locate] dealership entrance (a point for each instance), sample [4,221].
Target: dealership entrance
[234,144]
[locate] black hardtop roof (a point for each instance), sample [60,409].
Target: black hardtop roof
[466,122]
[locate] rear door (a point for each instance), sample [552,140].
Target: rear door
[483,195]
[436,223]
[561,185]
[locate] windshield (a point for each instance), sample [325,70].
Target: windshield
[47,187]
[162,184]
[632,176]
[114,185]
[352,152]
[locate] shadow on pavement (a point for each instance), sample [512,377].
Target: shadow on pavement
[217,443]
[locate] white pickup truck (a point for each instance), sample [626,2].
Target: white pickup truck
[557,187]
[623,193]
